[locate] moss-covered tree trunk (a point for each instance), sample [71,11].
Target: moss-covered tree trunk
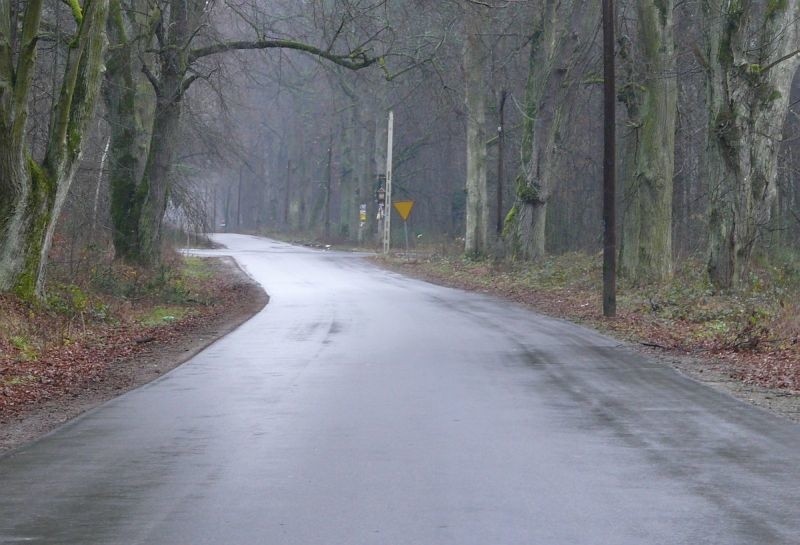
[142,158]
[32,193]
[650,96]
[525,224]
[127,154]
[750,62]
[477,213]
[559,44]
[20,197]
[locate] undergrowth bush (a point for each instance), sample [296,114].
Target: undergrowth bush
[166,283]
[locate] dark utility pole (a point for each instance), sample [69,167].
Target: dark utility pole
[501,136]
[609,151]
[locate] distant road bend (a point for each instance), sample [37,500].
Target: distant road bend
[361,407]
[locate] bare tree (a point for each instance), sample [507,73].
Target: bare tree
[174,47]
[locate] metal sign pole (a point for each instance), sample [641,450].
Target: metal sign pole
[387,222]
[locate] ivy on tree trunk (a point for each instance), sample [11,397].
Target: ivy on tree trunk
[750,61]
[559,44]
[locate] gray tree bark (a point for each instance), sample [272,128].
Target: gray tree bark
[350,162]
[650,96]
[32,193]
[477,213]
[561,36]
[750,60]
[128,148]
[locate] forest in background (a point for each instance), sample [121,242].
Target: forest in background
[122,118]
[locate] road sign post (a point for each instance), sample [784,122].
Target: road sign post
[362,221]
[404,209]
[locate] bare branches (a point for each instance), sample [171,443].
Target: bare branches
[780,60]
[492,6]
[355,60]
[187,82]
[152,79]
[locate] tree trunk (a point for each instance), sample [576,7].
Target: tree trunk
[350,171]
[559,45]
[126,153]
[128,136]
[22,195]
[26,214]
[155,182]
[530,237]
[751,60]
[477,230]
[142,160]
[650,97]
[32,195]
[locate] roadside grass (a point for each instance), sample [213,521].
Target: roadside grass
[96,315]
[756,330]
[24,347]
[196,268]
[17,380]
[162,315]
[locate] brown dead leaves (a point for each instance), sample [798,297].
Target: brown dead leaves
[38,362]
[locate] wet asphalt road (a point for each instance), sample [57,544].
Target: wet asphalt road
[361,407]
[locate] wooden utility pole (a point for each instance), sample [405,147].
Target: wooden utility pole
[609,152]
[501,136]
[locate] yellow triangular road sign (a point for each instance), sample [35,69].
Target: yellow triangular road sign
[404,208]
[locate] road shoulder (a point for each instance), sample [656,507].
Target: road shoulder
[718,373]
[151,362]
